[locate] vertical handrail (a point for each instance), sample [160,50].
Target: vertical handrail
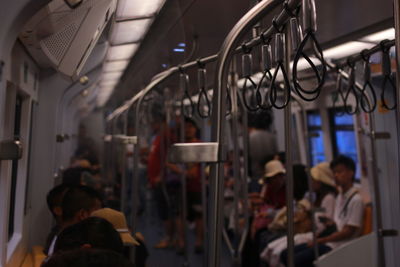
[396,12]
[308,166]
[204,201]
[226,53]
[124,163]
[289,162]
[184,197]
[375,180]
[377,193]
[236,166]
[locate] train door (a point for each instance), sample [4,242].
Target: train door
[22,84]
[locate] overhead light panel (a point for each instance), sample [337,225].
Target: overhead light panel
[111,76]
[121,52]
[179,50]
[346,49]
[119,65]
[379,36]
[131,31]
[138,8]
[108,83]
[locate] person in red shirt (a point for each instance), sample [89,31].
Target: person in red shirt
[156,173]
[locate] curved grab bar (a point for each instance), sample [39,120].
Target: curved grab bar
[218,134]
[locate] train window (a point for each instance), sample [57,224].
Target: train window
[314,124]
[343,135]
[14,170]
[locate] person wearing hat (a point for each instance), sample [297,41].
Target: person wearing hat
[118,220]
[324,187]
[274,189]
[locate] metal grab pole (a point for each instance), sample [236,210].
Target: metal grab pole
[396,12]
[184,199]
[236,165]
[204,200]
[289,163]
[124,165]
[228,49]
[377,193]
[245,186]
[308,166]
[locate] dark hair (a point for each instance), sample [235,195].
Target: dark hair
[55,196]
[77,198]
[194,124]
[95,231]
[300,181]
[344,160]
[87,258]
[323,191]
[260,120]
[73,176]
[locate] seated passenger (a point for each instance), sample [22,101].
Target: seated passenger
[93,232]
[88,258]
[348,216]
[54,201]
[118,220]
[77,204]
[274,190]
[323,186]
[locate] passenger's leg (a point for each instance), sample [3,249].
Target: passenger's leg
[304,255]
[162,205]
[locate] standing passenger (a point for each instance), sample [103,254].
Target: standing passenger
[155,173]
[262,143]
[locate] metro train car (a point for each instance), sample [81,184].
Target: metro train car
[260,133]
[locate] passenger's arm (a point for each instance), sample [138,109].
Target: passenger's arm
[346,233]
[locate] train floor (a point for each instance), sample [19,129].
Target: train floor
[151,227]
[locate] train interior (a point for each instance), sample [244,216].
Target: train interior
[93,84]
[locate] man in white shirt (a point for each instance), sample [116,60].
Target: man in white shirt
[348,215]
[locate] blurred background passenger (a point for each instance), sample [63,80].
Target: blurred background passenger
[118,220]
[93,232]
[54,202]
[77,204]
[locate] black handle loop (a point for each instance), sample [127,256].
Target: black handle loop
[320,75]
[249,90]
[187,111]
[279,57]
[351,90]
[338,94]
[204,111]
[367,105]
[387,77]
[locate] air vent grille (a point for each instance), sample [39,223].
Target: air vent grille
[57,44]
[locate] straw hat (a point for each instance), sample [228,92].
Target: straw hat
[118,220]
[323,173]
[273,168]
